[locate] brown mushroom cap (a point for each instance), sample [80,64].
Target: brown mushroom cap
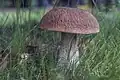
[71,20]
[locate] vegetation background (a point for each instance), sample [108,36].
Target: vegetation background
[27,52]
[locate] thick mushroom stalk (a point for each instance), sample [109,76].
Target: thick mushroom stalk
[70,22]
[68,52]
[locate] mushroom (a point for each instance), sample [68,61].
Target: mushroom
[70,22]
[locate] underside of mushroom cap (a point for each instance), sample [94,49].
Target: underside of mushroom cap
[70,20]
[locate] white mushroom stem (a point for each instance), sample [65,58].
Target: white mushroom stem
[68,52]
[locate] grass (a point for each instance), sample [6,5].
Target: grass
[100,61]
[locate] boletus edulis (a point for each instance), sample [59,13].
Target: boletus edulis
[70,22]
